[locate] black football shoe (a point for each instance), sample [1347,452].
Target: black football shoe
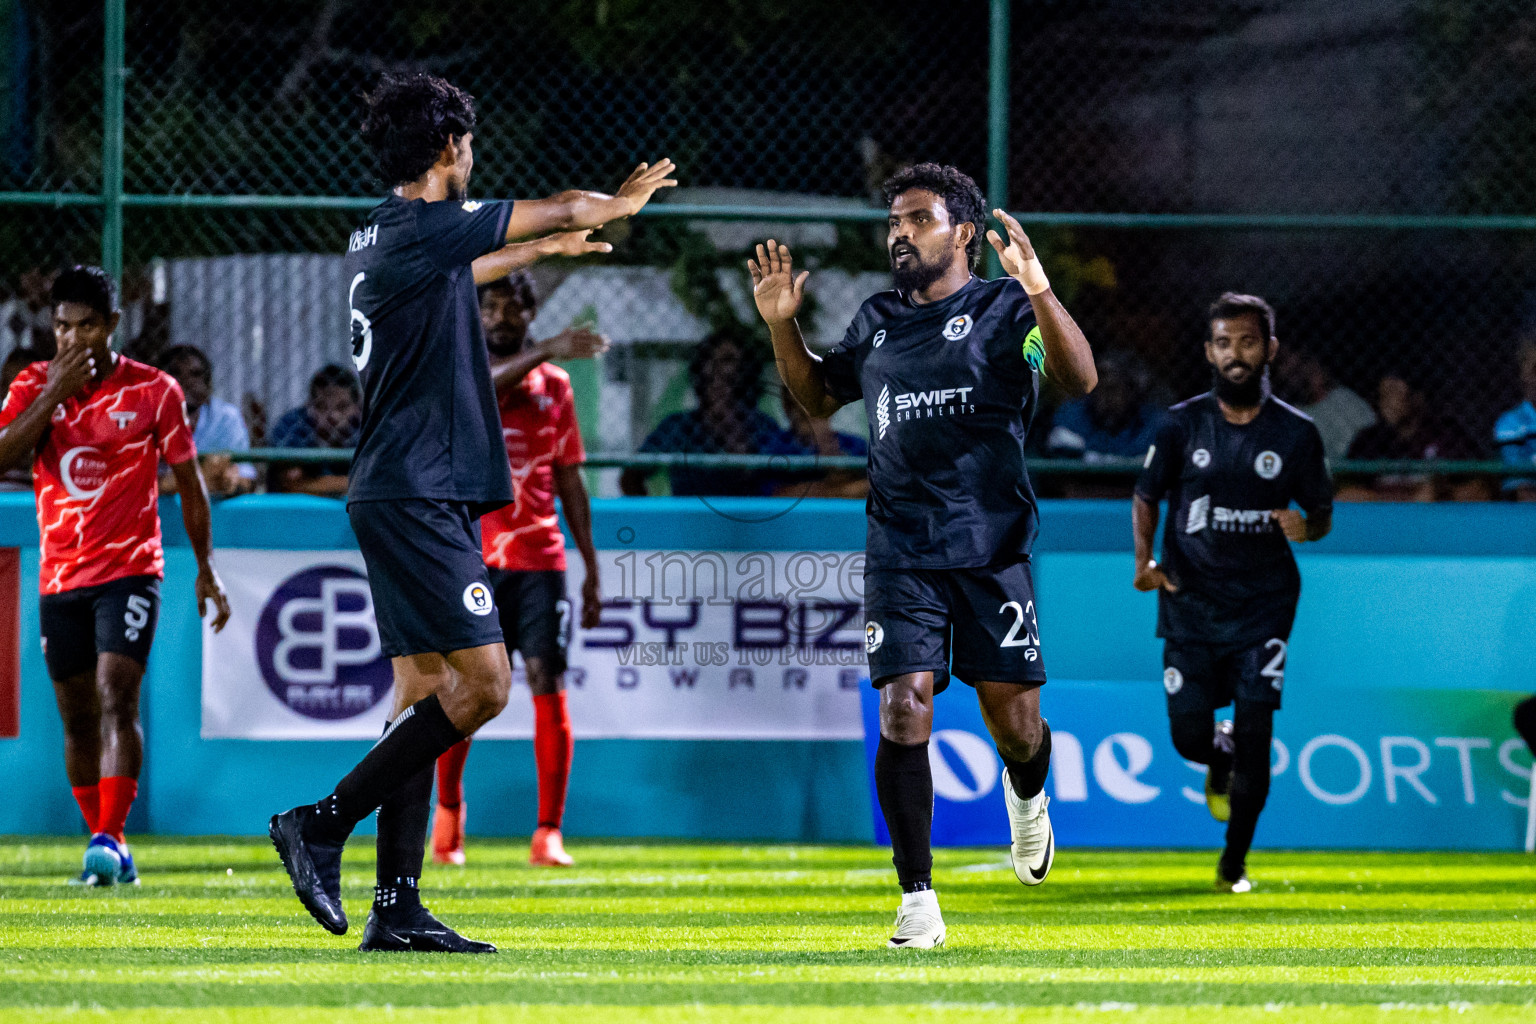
[313,867]
[412,929]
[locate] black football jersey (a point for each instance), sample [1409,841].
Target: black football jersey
[949,389]
[1236,575]
[431,427]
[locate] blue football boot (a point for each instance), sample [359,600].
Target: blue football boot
[102,863]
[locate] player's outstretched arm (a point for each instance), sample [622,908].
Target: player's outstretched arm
[578,516]
[573,210]
[572,343]
[494,266]
[196,517]
[1149,575]
[779,294]
[68,372]
[1068,357]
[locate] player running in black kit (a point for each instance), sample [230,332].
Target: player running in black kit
[949,368]
[1231,463]
[430,461]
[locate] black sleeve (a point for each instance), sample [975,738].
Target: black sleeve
[839,369]
[1164,459]
[456,234]
[1312,488]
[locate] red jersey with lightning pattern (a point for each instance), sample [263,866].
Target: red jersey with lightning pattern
[538,424]
[96,472]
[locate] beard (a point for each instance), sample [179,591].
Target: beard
[458,190]
[1244,394]
[917,274]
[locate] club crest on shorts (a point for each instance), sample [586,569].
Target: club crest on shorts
[1267,465]
[879,337]
[874,636]
[959,327]
[1200,457]
[1173,680]
[477,598]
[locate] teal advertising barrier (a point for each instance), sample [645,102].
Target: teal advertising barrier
[1419,616]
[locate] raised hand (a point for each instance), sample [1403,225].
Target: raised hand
[1018,251]
[643,183]
[778,292]
[1150,576]
[572,243]
[70,370]
[575,343]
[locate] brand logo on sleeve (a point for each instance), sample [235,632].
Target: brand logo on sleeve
[959,327]
[471,205]
[1267,465]
[879,337]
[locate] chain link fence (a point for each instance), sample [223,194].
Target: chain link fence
[1370,168]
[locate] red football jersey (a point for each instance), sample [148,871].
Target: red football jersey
[96,472]
[538,424]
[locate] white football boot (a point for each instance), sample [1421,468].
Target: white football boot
[1034,843]
[919,925]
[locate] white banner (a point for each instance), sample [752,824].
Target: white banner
[692,645]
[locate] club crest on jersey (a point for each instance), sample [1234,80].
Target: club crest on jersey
[122,419]
[1173,680]
[959,327]
[879,338]
[1200,457]
[1267,465]
[477,598]
[874,636]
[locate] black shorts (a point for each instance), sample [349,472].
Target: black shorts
[117,617]
[985,617]
[431,594]
[1199,678]
[535,614]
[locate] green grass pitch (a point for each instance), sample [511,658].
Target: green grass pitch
[767,933]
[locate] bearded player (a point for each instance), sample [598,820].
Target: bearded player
[430,462]
[96,426]
[1231,463]
[949,368]
[525,552]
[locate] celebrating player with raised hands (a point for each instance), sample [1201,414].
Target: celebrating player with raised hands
[1231,463]
[430,462]
[96,426]
[949,368]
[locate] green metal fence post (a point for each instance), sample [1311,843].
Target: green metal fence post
[115,16]
[997,119]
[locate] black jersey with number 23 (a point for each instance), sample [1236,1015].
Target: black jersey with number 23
[949,389]
[1236,575]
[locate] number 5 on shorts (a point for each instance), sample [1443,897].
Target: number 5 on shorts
[137,615]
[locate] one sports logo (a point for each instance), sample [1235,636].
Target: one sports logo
[1267,465]
[879,337]
[122,419]
[1199,515]
[883,410]
[1173,680]
[874,636]
[477,598]
[83,472]
[317,644]
[959,327]
[1200,457]
[1034,350]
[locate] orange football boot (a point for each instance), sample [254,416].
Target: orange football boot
[448,835]
[547,851]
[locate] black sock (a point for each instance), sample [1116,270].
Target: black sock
[1028,777]
[396,894]
[1253,727]
[412,744]
[1525,721]
[404,817]
[904,782]
[1194,737]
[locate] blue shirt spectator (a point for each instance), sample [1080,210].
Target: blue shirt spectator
[217,426]
[689,433]
[1515,430]
[1115,420]
[329,419]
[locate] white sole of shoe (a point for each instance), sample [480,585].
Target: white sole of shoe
[937,943]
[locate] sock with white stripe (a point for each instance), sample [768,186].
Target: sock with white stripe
[412,744]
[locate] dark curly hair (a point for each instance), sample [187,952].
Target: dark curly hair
[410,119]
[1231,304]
[962,197]
[747,385]
[89,286]
[519,285]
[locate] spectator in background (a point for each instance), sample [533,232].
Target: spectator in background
[329,419]
[727,376]
[1339,414]
[1115,420]
[815,435]
[217,426]
[17,478]
[26,319]
[1408,431]
[1515,431]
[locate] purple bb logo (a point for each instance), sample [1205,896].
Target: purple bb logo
[318,646]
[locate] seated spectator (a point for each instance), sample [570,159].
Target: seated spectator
[217,426]
[727,376]
[815,435]
[329,419]
[20,477]
[26,319]
[1339,413]
[1407,431]
[1515,431]
[1115,420]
